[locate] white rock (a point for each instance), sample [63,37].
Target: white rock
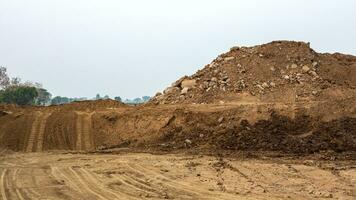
[221,119]
[184,90]
[229,58]
[188,141]
[315,64]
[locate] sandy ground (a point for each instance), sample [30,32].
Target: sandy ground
[63,175]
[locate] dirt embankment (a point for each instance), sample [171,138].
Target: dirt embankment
[292,128]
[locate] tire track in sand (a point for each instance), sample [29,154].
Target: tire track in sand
[84,140]
[35,138]
[41,131]
[2,185]
[88,187]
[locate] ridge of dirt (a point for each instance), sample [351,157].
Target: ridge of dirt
[282,71]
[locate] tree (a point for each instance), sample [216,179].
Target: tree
[4,78]
[97,97]
[137,100]
[106,97]
[21,95]
[44,97]
[146,98]
[118,99]
[60,100]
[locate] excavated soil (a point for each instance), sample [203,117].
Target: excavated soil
[278,71]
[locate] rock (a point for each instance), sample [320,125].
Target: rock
[294,66]
[201,135]
[314,64]
[286,77]
[305,68]
[229,58]
[188,83]
[170,90]
[187,141]
[207,90]
[260,55]
[273,69]
[220,120]
[214,79]
[313,73]
[184,90]
[260,87]
[234,48]
[265,85]
[225,78]
[178,82]
[272,84]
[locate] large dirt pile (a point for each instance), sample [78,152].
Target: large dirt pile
[279,71]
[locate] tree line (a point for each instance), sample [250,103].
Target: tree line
[14,91]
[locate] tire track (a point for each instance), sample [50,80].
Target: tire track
[2,185]
[92,180]
[84,139]
[41,131]
[34,131]
[85,185]
[35,139]
[166,181]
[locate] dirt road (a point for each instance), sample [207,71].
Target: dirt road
[172,176]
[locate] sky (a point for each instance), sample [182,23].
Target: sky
[78,48]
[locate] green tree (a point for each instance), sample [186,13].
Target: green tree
[146,98]
[118,99]
[21,95]
[44,97]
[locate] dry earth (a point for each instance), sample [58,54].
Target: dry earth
[63,175]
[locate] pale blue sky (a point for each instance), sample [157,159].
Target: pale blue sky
[138,47]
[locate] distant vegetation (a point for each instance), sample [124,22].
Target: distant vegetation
[13,90]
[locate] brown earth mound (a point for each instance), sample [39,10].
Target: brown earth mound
[280,71]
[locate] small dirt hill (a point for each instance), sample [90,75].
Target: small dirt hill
[280,71]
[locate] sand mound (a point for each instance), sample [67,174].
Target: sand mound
[278,71]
